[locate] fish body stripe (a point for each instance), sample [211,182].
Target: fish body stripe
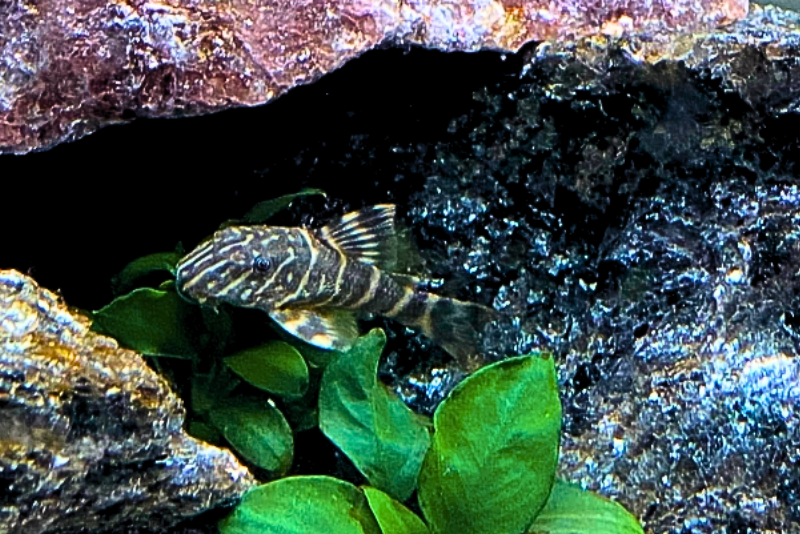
[391,311]
[388,297]
[203,275]
[414,309]
[199,254]
[313,254]
[342,266]
[372,288]
[227,250]
[353,285]
[235,283]
[320,287]
[403,303]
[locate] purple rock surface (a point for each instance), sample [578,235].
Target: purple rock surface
[68,68]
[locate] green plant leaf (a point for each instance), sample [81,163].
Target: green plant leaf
[204,432]
[209,389]
[257,430]
[276,367]
[263,211]
[153,322]
[380,434]
[303,413]
[571,510]
[127,278]
[495,449]
[301,417]
[219,325]
[167,285]
[302,505]
[315,356]
[392,516]
[202,395]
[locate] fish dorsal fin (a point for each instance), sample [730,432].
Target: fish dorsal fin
[367,235]
[326,329]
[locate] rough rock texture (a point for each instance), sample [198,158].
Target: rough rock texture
[725,54]
[68,68]
[91,437]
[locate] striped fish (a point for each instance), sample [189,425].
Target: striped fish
[314,283]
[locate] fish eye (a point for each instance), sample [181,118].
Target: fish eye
[260,263]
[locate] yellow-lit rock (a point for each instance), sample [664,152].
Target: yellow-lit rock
[90,436]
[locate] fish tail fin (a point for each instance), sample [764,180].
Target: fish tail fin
[454,325]
[457,326]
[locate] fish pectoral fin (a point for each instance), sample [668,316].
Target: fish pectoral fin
[367,235]
[326,329]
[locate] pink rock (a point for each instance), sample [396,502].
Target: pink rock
[68,67]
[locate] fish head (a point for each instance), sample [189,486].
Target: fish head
[246,266]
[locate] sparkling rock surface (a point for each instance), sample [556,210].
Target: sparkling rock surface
[90,437]
[68,68]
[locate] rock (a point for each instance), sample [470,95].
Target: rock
[731,54]
[67,69]
[91,437]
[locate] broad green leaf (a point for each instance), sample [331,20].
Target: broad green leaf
[219,325]
[258,431]
[263,211]
[571,510]
[315,356]
[153,322]
[162,261]
[302,417]
[167,285]
[303,413]
[302,505]
[209,389]
[380,434]
[495,449]
[202,394]
[276,367]
[204,432]
[392,516]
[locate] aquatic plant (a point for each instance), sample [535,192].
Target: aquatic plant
[485,463]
